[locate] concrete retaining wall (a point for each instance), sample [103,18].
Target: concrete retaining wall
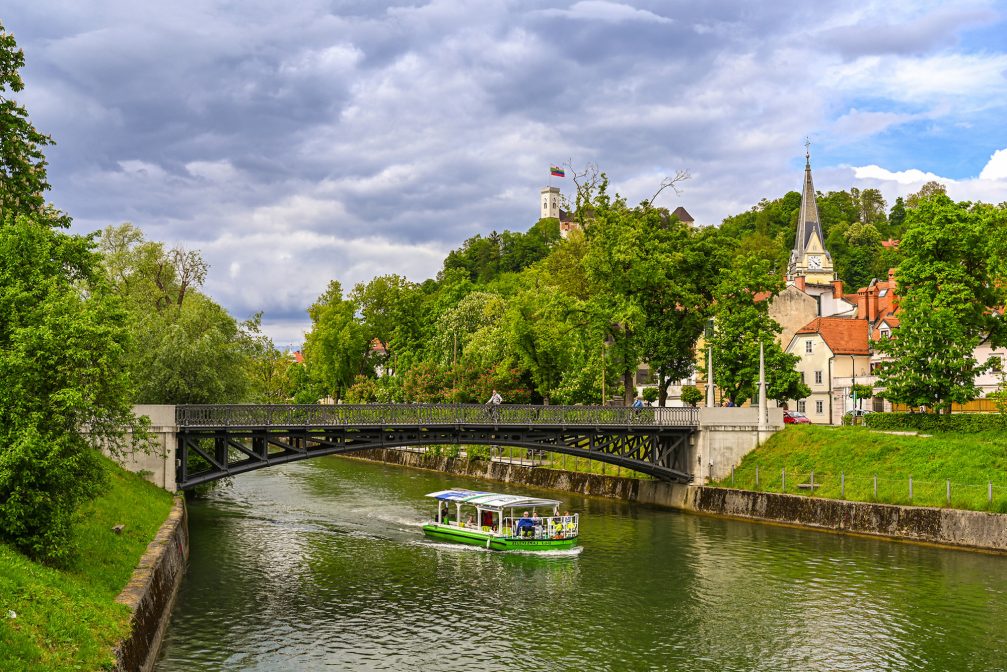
[950,527]
[945,527]
[151,592]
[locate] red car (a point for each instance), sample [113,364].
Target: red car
[795,418]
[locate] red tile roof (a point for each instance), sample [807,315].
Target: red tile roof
[843,335]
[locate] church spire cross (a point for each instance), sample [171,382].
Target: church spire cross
[807,149]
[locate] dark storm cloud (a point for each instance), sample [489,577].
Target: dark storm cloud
[294,143]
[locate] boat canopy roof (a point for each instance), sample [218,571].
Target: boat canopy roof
[491,500]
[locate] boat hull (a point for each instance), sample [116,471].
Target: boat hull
[461,535]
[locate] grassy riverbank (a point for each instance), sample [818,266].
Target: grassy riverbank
[67,619]
[846,461]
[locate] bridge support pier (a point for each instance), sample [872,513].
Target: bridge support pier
[725,436]
[158,466]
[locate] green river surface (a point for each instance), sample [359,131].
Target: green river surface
[322,565]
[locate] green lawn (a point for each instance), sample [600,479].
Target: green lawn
[67,619]
[973,463]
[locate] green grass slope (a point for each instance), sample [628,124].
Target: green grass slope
[973,463]
[67,619]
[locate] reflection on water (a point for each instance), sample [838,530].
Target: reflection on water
[322,565]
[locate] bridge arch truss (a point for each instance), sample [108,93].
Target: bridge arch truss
[219,441]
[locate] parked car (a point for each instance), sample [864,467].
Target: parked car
[795,418]
[858,413]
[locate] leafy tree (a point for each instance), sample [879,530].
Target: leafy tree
[537,329]
[65,390]
[192,354]
[871,205]
[926,192]
[391,308]
[679,301]
[266,366]
[896,219]
[691,395]
[23,180]
[426,382]
[185,347]
[363,391]
[947,287]
[471,330]
[337,345]
[861,260]
[742,322]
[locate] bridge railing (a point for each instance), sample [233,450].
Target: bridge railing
[328,415]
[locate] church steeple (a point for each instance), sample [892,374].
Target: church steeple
[809,256]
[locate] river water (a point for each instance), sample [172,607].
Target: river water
[322,565]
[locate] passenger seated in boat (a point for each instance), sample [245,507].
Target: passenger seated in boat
[470,521]
[525,526]
[487,521]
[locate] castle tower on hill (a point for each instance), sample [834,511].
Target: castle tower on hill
[809,259]
[550,202]
[550,208]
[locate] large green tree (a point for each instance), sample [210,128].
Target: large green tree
[64,389]
[337,346]
[186,349]
[742,322]
[950,285]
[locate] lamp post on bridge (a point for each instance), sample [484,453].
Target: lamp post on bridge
[763,401]
[710,401]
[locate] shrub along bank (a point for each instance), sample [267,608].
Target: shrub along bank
[67,618]
[871,465]
[930,422]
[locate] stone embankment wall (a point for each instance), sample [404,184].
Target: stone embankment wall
[151,592]
[945,527]
[949,527]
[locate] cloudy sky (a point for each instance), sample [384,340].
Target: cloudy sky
[297,142]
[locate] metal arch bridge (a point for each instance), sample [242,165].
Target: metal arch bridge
[215,441]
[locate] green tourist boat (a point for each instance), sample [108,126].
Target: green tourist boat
[501,522]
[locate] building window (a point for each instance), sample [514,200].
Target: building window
[819,407]
[885,333]
[801,405]
[818,377]
[807,345]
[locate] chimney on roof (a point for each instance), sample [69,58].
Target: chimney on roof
[872,303]
[891,278]
[837,289]
[800,282]
[862,303]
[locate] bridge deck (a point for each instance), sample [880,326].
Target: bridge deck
[429,415]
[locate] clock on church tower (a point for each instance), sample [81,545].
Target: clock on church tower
[814,262]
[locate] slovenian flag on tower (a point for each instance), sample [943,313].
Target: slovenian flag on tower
[556,171]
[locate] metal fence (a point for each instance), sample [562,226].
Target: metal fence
[329,415]
[875,487]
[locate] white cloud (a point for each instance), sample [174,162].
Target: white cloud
[911,176]
[996,167]
[216,171]
[601,10]
[861,124]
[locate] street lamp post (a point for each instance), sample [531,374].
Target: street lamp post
[710,401]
